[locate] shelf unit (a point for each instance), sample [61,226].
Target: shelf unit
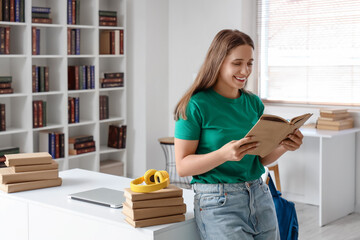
[53,53]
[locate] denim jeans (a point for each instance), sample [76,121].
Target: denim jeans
[238,211]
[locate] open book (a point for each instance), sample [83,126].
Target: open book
[270,130]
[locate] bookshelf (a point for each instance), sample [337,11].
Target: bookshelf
[54,54]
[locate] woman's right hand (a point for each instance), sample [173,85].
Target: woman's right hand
[235,150]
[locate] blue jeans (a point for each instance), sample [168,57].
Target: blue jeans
[238,211]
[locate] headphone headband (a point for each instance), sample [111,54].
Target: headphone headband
[154,179]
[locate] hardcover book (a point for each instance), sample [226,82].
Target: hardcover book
[161,202]
[170,191]
[18,187]
[155,221]
[36,167]
[28,159]
[270,130]
[7,175]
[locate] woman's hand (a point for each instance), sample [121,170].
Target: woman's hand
[293,142]
[236,150]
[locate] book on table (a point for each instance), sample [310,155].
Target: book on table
[270,130]
[24,186]
[170,191]
[155,221]
[28,159]
[7,175]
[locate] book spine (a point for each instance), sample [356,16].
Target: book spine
[84,145]
[68,41]
[2,40]
[12,10]
[41,20]
[92,76]
[22,10]
[40,15]
[107,13]
[37,41]
[81,139]
[6,10]
[110,85]
[33,37]
[1,10]
[40,10]
[37,82]
[2,117]
[57,145]
[72,110]
[7,40]
[46,79]
[77,109]
[84,77]
[77,12]
[5,85]
[77,41]
[69,12]
[52,142]
[121,41]
[44,115]
[73,12]
[17,10]
[88,77]
[77,86]
[33,78]
[62,145]
[42,79]
[114,75]
[35,114]
[73,41]
[40,113]
[123,136]
[5,79]
[107,19]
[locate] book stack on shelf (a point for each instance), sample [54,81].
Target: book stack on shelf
[154,208]
[28,171]
[12,10]
[40,78]
[73,110]
[73,40]
[112,42]
[107,18]
[5,85]
[2,117]
[117,136]
[73,12]
[39,114]
[81,144]
[35,37]
[104,107]
[334,119]
[113,79]
[7,150]
[53,143]
[81,77]
[41,15]
[4,40]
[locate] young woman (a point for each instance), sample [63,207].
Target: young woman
[212,118]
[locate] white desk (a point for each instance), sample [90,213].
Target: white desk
[45,214]
[328,177]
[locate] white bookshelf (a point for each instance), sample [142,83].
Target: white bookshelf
[53,53]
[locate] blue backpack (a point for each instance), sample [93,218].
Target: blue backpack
[286,214]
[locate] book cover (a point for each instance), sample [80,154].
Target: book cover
[105,42]
[346,121]
[7,175]
[146,213]
[35,167]
[18,187]
[161,202]
[81,151]
[81,139]
[170,191]
[28,159]
[270,130]
[156,221]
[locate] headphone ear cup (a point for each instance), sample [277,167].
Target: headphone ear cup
[149,176]
[161,176]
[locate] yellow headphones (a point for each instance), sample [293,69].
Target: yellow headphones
[154,179]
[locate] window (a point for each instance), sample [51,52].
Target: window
[309,51]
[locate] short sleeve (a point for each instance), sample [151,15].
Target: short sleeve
[190,128]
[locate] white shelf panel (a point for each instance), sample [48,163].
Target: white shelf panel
[12,56]
[48,127]
[46,56]
[81,155]
[81,123]
[105,149]
[47,25]
[81,56]
[111,89]
[111,55]
[13,23]
[71,92]
[112,119]
[47,93]
[110,28]
[10,130]
[13,95]
[81,26]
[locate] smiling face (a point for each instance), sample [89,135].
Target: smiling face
[234,71]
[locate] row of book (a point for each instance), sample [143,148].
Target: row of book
[2,117]
[5,85]
[7,150]
[334,119]
[113,79]
[4,40]
[154,208]
[107,18]
[112,42]
[81,144]
[104,107]
[81,77]
[12,10]
[35,41]
[73,109]
[117,136]
[39,114]
[73,12]
[73,41]
[28,171]
[40,78]
[41,15]
[53,143]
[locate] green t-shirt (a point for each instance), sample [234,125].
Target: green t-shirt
[215,120]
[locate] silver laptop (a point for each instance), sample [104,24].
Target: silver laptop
[103,196]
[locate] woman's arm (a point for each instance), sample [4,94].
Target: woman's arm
[188,163]
[292,143]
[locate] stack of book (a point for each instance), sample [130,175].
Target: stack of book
[81,144]
[53,143]
[73,109]
[112,79]
[12,10]
[117,136]
[35,41]
[112,42]
[40,78]
[5,84]
[27,171]
[107,18]
[39,114]
[154,208]
[104,107]
[7,150]
[41,15]
[4,40]
[334,119]
[2,117]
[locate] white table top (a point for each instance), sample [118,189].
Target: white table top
[313,132]
[76,180]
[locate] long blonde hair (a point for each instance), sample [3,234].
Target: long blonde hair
[220,47]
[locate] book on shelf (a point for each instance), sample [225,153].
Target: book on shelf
[35,167]
[39,114]
[12,10]
[270,130]
[2,117]
[53,143]
[155,221]
[81,151]
[146,213]
[73,109]
[161,202]
[35,38]
[8,150]
[7,175]
[40,78]
[73,39]
[21,159]
[73,12]
[112,42]
[81,144]
[5,40]
[117,136]
[81,77]
[104,107]
[115,79]
[41,15]
[23,186]
[81,139]
[5,84]
[107,18]
[168,192]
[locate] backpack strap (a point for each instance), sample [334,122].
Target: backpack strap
[272,187]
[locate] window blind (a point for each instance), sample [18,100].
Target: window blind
[309,51]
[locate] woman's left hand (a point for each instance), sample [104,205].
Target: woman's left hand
[293,141]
